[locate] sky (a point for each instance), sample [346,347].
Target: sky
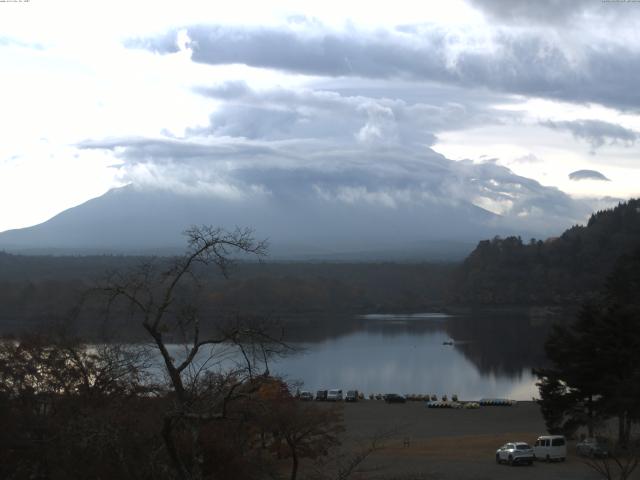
[511,105]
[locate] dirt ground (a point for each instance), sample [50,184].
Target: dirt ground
[423,443]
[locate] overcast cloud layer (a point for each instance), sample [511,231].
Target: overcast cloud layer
[373,144]
[533,63]
[491,104]
[304,146]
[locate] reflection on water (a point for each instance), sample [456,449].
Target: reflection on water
[473,356]
[489,357]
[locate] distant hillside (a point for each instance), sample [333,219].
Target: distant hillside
[37,289]
[557,271]
[130,220]
[304,226]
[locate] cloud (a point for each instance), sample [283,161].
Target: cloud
[528,158]
[596,132]
[583,15]
[525,11]
[330,175]
[279,114]
[14,42]
[517,61]
[579,175]
[380,126]
[322,150]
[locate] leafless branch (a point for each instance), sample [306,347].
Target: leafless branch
[618,465]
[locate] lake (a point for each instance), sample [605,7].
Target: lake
[490,355]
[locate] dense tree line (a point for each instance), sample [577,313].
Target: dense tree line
[595,371]
[562,270]
[35,289]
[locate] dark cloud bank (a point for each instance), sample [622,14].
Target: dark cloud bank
[529,62]
[555,12]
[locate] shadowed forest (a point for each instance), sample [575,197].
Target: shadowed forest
[501,272]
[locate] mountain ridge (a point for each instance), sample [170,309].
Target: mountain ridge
[138,221]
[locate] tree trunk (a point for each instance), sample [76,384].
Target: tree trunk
[294,460]
[198,454]
[167,436]
[294,465]
[174,374]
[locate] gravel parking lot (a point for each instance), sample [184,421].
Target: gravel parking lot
[451,444]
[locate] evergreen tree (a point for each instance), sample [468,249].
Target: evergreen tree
[596,360]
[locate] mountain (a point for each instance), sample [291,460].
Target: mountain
[136,220]
[560,270]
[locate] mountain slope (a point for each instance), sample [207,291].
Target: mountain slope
[131,220]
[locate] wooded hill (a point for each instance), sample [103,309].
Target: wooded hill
[562,270]
[37,289]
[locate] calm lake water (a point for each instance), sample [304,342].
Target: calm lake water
[491,356]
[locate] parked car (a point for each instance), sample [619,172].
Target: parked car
[394,398]
[515,453]
[334,395]
[306,395]
[321,395]
[550,447]
[593,447]
[352,396]
[496,402]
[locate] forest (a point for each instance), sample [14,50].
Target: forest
[35,289]
[500,272]
[562,270]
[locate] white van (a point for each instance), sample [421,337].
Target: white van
[550,447]
[334,395]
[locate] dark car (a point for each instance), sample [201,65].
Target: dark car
[593,447]
[394,398]
[321,395]
[352,396]
[306,396]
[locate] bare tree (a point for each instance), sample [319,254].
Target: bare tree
[163,301]
[300,430]
[619,465]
